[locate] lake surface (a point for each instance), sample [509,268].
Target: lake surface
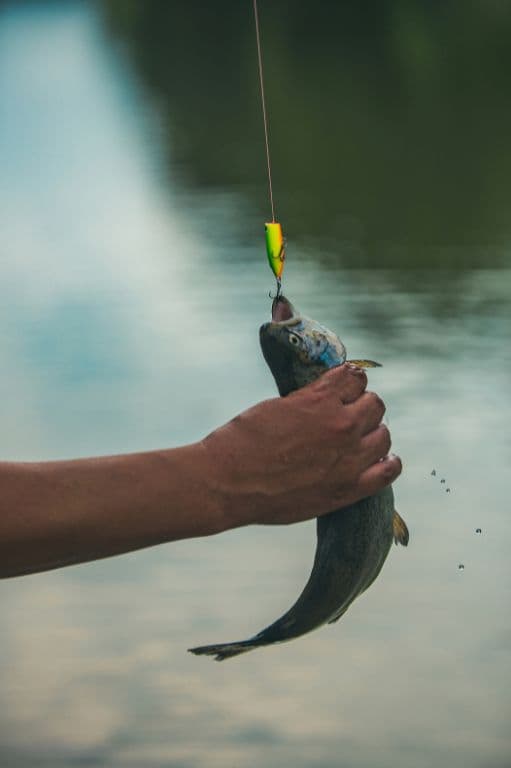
[133,282]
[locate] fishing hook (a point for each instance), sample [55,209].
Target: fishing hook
[279,291]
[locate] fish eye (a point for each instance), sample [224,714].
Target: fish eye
[294,339]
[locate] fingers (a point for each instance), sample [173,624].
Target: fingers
[367,412]
[379,475]
[344,382]
[375,446]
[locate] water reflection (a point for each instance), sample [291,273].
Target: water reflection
[390,126]
[131,300]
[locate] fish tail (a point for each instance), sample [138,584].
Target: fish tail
[224,651]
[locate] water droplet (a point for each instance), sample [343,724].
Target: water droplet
[442,480]
[433,472]
[447,490]
[461,567]
[478,530]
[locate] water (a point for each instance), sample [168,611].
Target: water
[133,283]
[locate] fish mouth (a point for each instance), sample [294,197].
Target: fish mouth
[283,313]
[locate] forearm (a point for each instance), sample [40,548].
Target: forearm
[59,513]
[282,461]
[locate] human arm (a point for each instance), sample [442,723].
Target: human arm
[284,460]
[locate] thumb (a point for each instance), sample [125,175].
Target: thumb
[344,382]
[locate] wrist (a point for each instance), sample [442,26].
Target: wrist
[224,480]
[197,493]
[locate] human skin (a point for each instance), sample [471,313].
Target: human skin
[282,461]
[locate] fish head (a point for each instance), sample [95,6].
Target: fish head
[296,348]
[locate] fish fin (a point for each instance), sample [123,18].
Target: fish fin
[365,363]
[401,535]
[224,651]
[339,615]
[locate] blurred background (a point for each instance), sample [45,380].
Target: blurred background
[133,280]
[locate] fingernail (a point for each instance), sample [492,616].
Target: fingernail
[392,459]
[355,370]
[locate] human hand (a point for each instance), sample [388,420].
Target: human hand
[290,459]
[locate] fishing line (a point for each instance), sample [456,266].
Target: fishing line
[263,103]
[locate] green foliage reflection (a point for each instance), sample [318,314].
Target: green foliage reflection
[390,122]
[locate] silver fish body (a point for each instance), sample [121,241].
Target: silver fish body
[352,542]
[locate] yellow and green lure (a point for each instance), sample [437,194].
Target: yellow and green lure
[275,248]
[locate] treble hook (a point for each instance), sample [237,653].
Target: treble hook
[279,291]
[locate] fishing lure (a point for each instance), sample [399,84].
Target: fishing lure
[275,248]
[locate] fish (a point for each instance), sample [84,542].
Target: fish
[352,542]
